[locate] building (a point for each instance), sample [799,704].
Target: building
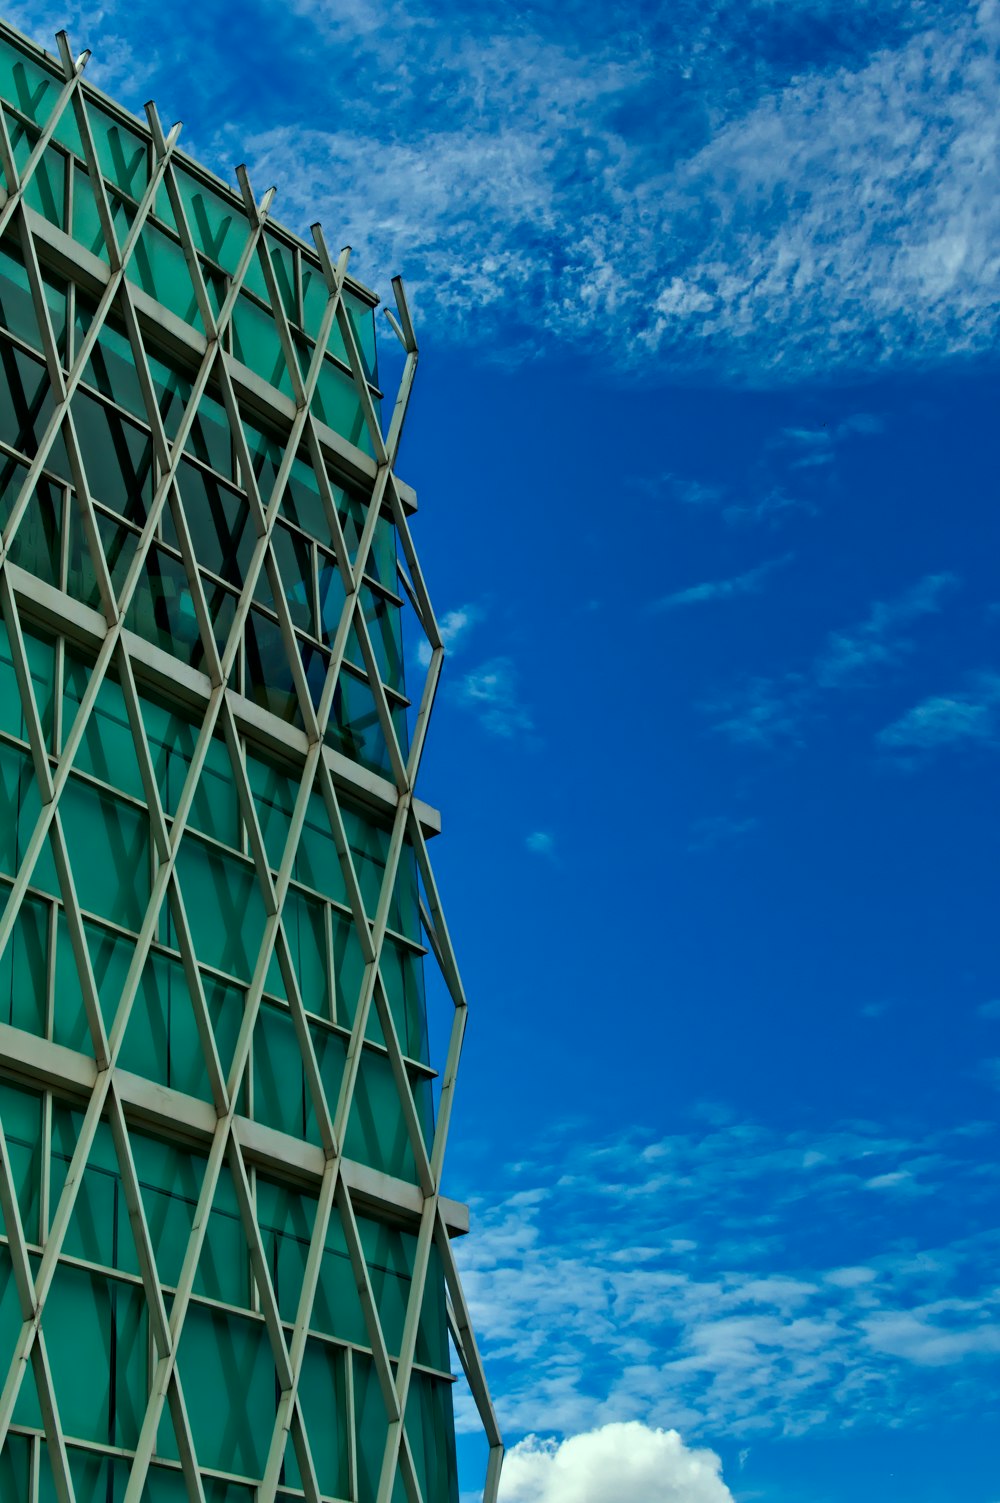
[226,1269]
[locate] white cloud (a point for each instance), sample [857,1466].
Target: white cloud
[617,1463]
[692,1281]
[877,642]
[970,716]
[541,843]
[749,583]
[766,712]
[672,198]
[452,627]
[492,691]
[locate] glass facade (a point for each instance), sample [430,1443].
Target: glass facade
[224,1257]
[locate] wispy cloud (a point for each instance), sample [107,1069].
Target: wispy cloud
[877,641]
[749,583]
[492,691]
[969,716]
[823,198]
[719,829]
[771,711]
[541,843]
[453,627]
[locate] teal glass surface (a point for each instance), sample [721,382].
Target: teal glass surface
[70,524]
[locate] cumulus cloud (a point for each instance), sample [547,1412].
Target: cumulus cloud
[616,1463]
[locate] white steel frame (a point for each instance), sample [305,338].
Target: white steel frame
[112,1095]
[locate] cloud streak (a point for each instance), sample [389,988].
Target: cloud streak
[773,711]
[749,583]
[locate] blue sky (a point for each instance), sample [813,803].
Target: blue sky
[704,440]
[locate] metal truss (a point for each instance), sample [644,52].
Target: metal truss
[116,656]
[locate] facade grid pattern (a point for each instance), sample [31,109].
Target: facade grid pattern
[226,1269]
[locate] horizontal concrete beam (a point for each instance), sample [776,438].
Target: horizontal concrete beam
[173,1114]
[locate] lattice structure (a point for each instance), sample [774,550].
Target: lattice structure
[220,1157]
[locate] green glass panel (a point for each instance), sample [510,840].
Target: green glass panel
[27,84]
[331,1051]
[86,218]
[108,844]
[15,769]
[162,1041]
[69,1022]
[278,1076]
[370,1423]
[77,1324]
[430,1427]
[117,457]
[224,1266]
[305,930]
[158,266]
[211,438]
[317,862]
[224,907]
[170,1181]
[46,188]
[21,1116]
[336,404]
[17,310]
[110,957]
[386,636]
[331,598]
[111,367]
[228,1376]
[25,416]
[123,155]
[165,1485]
[274,799]
[283,266]
[162,608]
[402,977]
[15,1462]
[218,227]
[354,727]
[37,544]
[376,1130]
[172,392]
[257,343]
[432,1333]
[286,1221]
[26,1410]
[369,849]
[297,568]
[302,502]
[107,749]
[349,967]
[218,519]
[269,681]
[337,1310]
[323,1390]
